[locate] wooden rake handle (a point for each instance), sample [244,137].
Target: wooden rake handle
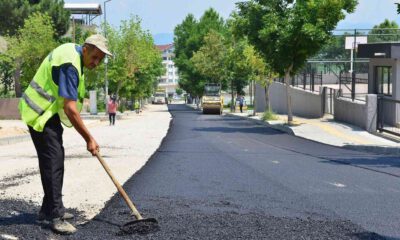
[119,187]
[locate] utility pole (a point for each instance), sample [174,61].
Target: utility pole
[106,58]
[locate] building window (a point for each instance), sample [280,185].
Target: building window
[383,80]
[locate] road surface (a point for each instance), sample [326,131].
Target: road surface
[220,177]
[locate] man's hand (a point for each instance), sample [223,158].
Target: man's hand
[92,146]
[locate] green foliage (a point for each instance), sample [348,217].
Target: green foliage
[208,52]
[269,115]
[55,9]
[189,37]
[122,107]
[101,106]
[211,59]
[334,49]
[135,66]
[32,44]
[6,74]
[387,31]
[179,91]
[15,12]
[240,67]
[287,33]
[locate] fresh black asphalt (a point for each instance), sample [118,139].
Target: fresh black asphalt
[220,177]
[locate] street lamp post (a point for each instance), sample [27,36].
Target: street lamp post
[106,57]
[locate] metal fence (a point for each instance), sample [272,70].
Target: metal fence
[338,67]
[387,120]
[349,85]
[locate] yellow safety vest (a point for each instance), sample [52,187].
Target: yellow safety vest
[40,100]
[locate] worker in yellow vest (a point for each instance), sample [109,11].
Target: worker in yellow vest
[55,96]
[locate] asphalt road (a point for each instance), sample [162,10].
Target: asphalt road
[220,177]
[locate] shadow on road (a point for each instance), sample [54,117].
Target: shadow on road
[382,164]
[370,236]
[257,130]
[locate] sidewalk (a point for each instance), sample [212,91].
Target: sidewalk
[13,131]
[326,130]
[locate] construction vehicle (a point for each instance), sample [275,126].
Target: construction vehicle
[159,97]
[212,100]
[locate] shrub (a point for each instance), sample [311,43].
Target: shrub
[269,115]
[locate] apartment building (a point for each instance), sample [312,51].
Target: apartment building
[169,81]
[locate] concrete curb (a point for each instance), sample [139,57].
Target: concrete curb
[280,127]
[101,117]
[14,139]
[386,150]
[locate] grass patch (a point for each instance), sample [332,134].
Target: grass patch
[269,115]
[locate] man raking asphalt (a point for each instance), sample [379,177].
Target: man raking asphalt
[55,96]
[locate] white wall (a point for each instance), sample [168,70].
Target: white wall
[304,103]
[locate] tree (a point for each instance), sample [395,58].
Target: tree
[185,45]
[387,31]
[224,61]
[6,74]
[239,68]
[189,37]
[29,47]
[179,91]
[287,32]
[14,12]
[260,73]
[136,64]
[210,60]
[55,9]
[334,49]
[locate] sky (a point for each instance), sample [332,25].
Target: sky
[161,16]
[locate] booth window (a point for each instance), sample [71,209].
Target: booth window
[383,80]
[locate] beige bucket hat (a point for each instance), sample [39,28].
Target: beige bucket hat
[100,42]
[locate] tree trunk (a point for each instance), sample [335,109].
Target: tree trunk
[267,104]
[288,96]
[254,99]
[232,100]
[251,91]
[17,79]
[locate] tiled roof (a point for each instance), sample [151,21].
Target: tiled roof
[164,47]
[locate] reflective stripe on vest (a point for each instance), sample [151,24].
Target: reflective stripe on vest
[32,104]
[42,92]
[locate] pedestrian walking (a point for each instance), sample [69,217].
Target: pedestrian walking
[55,96]
[240,99]
[112,109]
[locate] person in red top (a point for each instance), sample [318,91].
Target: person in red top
[112,109]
